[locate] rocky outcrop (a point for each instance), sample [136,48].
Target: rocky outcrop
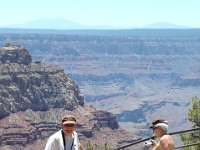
[25,84]
[19,134]
[106,119]
[14,54]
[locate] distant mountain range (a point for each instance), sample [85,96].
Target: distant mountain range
[58,24]
[63,24]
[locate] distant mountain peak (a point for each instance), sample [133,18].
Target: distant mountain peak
[165,25]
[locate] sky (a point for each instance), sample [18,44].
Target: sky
[115,13]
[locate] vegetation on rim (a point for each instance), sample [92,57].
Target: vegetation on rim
[194,117]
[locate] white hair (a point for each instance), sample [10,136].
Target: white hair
[163,126]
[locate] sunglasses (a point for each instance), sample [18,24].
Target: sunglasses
[155,128]
[69,125]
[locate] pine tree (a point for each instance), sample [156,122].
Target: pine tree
[194,117]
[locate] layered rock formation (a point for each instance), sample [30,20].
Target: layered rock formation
[33,85]
[35,96]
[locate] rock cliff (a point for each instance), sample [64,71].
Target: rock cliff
[33,85]
[34,96]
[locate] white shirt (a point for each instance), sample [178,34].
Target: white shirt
[55,142]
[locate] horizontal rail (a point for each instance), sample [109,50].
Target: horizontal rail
[194,144]
[143,140]
[136,142]
[183,131]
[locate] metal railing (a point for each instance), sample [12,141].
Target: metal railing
[188,145]
[172,133]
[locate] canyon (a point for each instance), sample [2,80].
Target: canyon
[138,75]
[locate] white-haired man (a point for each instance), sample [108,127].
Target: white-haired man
[160,129]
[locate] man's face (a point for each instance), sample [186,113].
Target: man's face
[68,128]
[158,132]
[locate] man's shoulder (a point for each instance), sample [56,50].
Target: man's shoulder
[165,137]
[56,134]
[74,132]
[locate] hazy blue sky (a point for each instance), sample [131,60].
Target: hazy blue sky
[117,13]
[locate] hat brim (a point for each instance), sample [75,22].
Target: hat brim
[151,126]
[69,122]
